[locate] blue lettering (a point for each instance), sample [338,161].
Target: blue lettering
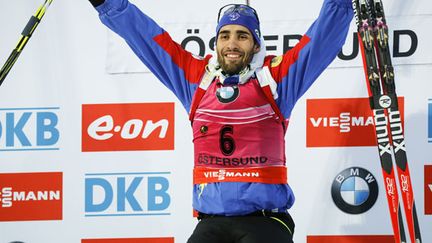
[154,193]
[12,129]
[124,195]
[125,190]
[49,129]
[90,184]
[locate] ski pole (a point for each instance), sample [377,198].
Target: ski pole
[25,36]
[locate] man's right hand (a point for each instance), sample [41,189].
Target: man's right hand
[96,3]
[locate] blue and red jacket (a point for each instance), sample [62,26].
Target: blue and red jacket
[293,73]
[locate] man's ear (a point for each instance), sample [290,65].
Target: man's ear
[256,48]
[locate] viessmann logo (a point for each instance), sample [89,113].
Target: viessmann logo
[428,189]
[31,196]
[126,127]
[341,122]
[223,174]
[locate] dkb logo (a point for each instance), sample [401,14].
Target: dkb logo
[127,194]
[29,129]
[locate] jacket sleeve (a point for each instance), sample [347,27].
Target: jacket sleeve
[176,68]
[298,68]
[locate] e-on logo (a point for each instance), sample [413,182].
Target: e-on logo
[127,127]
[354,190]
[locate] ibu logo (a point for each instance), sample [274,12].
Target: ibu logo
[29,129]
[127,194]
[430,121]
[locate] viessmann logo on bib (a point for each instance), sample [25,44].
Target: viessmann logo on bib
[126,127]
[341,122]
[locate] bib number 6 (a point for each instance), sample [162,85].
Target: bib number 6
[226,141]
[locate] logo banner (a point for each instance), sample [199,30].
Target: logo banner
[31,196]
[341,122]
[127,127]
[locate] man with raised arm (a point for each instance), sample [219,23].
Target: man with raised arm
[239,102]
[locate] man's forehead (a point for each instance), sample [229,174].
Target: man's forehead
[234,28]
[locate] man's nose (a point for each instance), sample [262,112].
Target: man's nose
[232,44]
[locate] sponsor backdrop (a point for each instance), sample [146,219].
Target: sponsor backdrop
[94,149]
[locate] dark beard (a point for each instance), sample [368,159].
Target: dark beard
[231,69]
[234,68]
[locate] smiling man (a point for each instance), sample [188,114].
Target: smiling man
[239,102]
[235,48]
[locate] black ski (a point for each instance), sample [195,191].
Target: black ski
[373,33]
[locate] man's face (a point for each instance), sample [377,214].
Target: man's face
[235,48]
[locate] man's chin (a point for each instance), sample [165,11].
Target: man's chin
[231,69]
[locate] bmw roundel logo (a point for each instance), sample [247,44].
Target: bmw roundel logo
[354,190]
[227,94]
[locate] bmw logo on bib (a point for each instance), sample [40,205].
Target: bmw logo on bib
[227,94]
